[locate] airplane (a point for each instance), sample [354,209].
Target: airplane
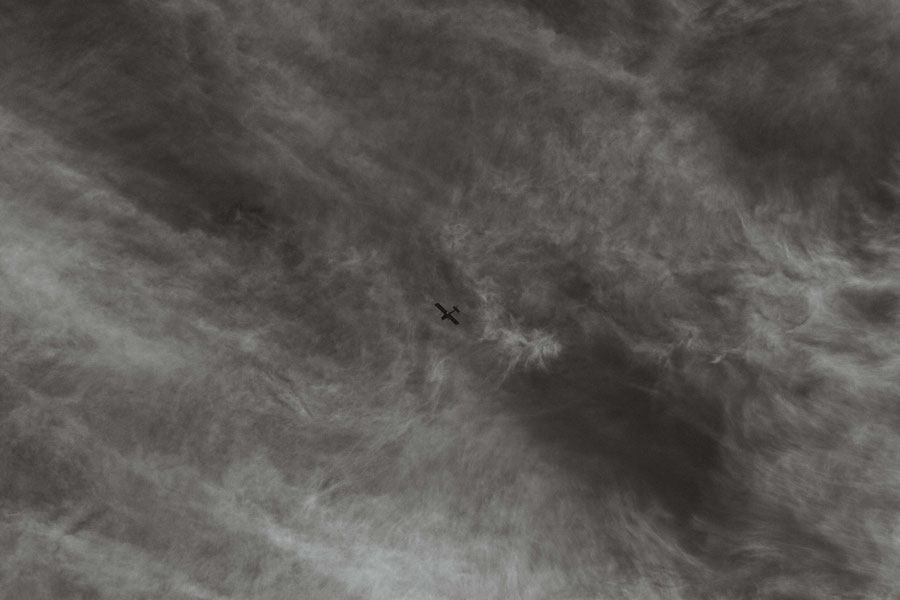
[448,315]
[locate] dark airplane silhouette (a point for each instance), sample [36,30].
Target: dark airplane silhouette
[448,315]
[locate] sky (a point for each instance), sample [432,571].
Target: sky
[670,228]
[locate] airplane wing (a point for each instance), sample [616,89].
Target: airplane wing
[455,322]
[441,308]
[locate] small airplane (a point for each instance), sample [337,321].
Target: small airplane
[448,315]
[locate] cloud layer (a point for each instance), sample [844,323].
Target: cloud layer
[671,231]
